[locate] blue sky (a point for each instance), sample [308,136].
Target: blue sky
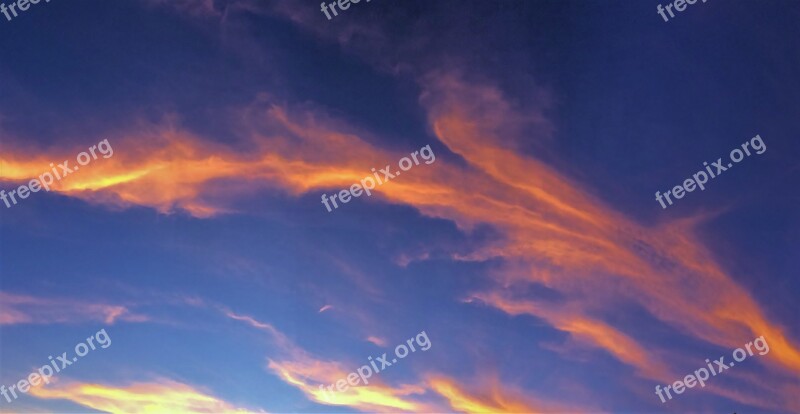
[532,252]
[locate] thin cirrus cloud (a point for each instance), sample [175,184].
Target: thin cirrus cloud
[587,330]
[583,247]
[307,374]
[495,397]
[377,341]
[432,393]
[555,233]
[301,370]
[550,231]
[169,169]
[559,237]
[573,236]
[161,396]
[18,309]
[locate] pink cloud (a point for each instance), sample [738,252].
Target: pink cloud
[22,309]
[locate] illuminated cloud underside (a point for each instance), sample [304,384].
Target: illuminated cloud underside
[555,233]
[159,397]
[306,372]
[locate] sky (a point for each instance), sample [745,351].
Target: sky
[525,257]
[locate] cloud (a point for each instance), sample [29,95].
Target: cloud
[312,376]
[170,169]
[557,235]
[22,309]
[307,374]
[300,369]
[553,232]
[377,341]
[587,330]
[495,398]
[162,396]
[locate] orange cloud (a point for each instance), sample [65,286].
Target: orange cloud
[587,330]
[21,309]
[553,232]
[313,375]
[497,398]
[307,373]
[168,169]
[163,396]
[558,235]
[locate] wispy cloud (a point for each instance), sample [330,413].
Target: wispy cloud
[161,396]
[306,372]
[495,397]
[170,169]
[300,369]
[588,330]
[377,341]
[553,231]
[23,309]
[559,236]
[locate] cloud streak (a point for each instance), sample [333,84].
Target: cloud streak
[306,372]
[553,232]
[18,309]
[162,396]
[497,398]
